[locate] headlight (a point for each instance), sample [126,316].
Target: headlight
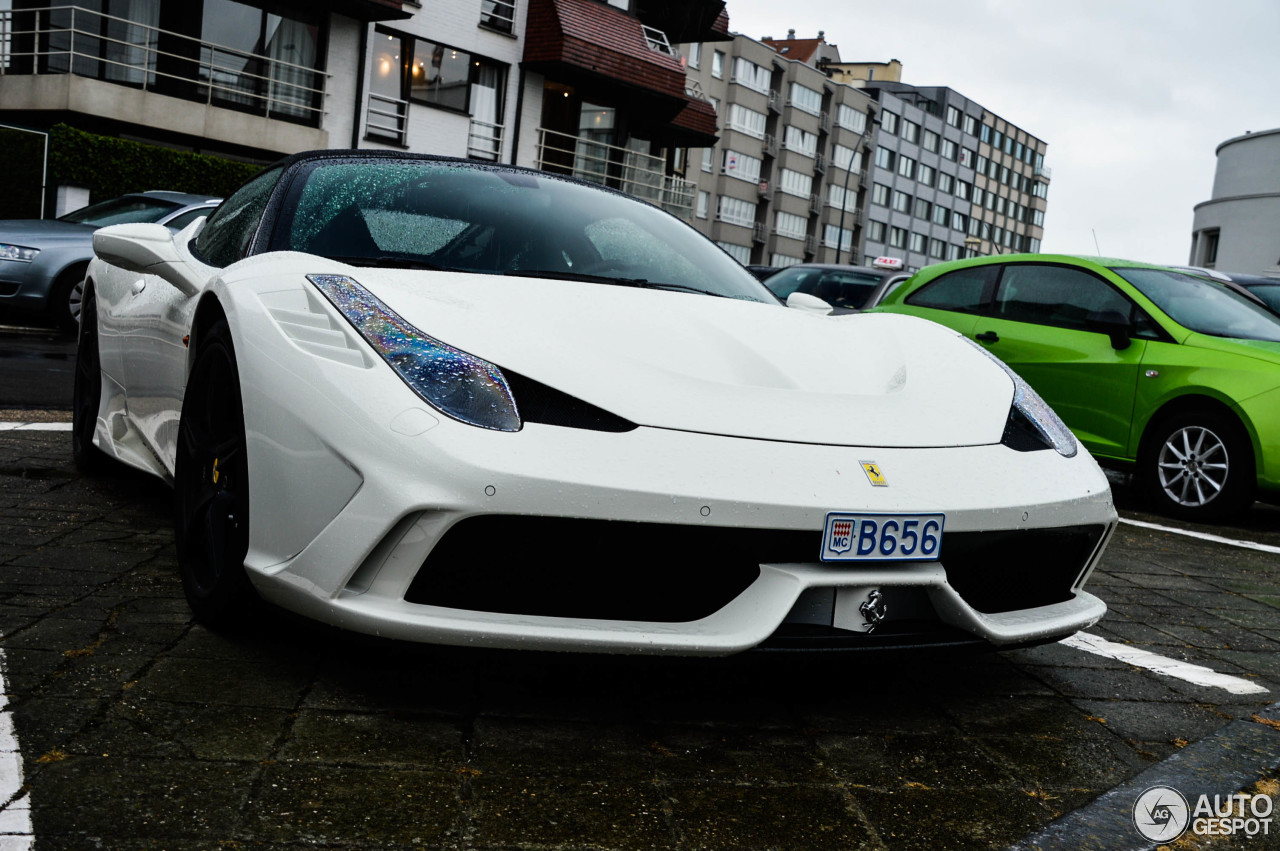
[17,252]
[1030,412]
[453,382]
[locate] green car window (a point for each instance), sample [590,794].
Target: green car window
[1056,295]
[963,290]
[1203,306]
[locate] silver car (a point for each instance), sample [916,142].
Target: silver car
[42,261]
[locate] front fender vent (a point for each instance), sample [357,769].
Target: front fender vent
[539,403]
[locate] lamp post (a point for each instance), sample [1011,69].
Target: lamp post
[973,243]
[844,199]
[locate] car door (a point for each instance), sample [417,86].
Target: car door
[1045,323]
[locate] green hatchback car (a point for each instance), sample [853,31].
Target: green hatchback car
[1158,371]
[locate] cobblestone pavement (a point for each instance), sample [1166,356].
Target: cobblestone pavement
[139,729]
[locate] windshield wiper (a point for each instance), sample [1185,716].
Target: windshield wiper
[639,283]
[387,261]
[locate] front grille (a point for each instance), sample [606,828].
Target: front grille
[600,569]
[1018,569]
[8,288]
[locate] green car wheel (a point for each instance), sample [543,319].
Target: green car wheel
[1199,466]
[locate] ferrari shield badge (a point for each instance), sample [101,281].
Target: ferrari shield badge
[872,469]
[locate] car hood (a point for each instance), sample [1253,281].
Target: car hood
[36,231]
[717,365]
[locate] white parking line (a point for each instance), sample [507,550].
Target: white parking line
[1197,674]
[1204,536]
[15,813]
[35,427]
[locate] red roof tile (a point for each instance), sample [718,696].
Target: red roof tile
[799,49]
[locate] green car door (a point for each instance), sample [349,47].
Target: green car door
[1053,325]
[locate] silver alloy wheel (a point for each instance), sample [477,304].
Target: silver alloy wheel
[1193,466]
[75,302]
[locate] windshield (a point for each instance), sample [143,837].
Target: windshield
[1203,306]
[120,211]
[848,288]
[491,220]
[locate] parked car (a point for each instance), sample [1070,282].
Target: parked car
[1154,369]
[762,272]
[845,288]
[42,261]
[1261,289]
[474,404]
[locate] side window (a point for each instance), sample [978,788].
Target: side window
[1056,295]
[226,235]
[961,290]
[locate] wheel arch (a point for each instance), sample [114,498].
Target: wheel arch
[1194,403]
[208,313]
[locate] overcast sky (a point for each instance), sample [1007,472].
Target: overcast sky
[1132,96]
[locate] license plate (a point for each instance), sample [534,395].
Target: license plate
[882,537]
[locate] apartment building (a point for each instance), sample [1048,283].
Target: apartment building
[785,183]
[585,87]
[888,169]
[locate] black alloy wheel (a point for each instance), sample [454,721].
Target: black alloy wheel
[1199,466]
[87,394]
[211,486]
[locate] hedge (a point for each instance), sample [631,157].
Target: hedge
[109,167]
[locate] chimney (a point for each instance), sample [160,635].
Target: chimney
[791,34]
[822,35]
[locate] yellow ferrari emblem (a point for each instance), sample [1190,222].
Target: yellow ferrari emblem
[872,469]
[215,470]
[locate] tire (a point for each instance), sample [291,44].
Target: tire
[211,487]
[87,394]
[66,299]
[1199,466]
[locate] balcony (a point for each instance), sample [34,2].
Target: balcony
[387,118]
[640,175]
[770,145]
[66,58]
[815,203]
[1043,172]
[498,15]
[764,191]
[820,164]
[484,142]
[759,232]
[775,101]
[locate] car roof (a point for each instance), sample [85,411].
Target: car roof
[840,267]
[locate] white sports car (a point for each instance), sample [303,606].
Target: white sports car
[473,404]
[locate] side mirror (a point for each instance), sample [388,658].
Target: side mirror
[1114,324]
[811,303]
[147,249]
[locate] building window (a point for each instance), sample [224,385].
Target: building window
[977,196]
[741,253]
[964,190]
[708,159]
[837,237]
[875,231]
[980,164]
[926,174]
[940,214]
[884,158]
[735,211]
[907,167]
[889,123]
[717,65]
[911,131]
[917,242]
[953,116]
[796,183]
[971,125]
[841,198]
[901,201]
[498,15]
[959,221]
[923,209]
[704,200]
[937,248]
[1210,239]
[997,139]
[986,133]
[790,225]
[930,142]
[782,261]
[847,158]
[746,120]
[801,142]
[1037,218]
[880,195]
[804,98]
[742,166]
[945,183]
[695,55]
[953,252]
[851,119]
[751,75]
[967,156]
[898,237]
[949,149]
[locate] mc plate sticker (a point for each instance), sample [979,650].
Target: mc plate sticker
[882,537]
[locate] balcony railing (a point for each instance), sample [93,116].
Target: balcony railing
[484,142]
[820,164]
[641,175]
[775,101]
[388,118]
[658,43]
[85,43]
[770,145]
[759,232]
[1044,171]
[498,15]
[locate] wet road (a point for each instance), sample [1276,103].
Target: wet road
[128,726]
